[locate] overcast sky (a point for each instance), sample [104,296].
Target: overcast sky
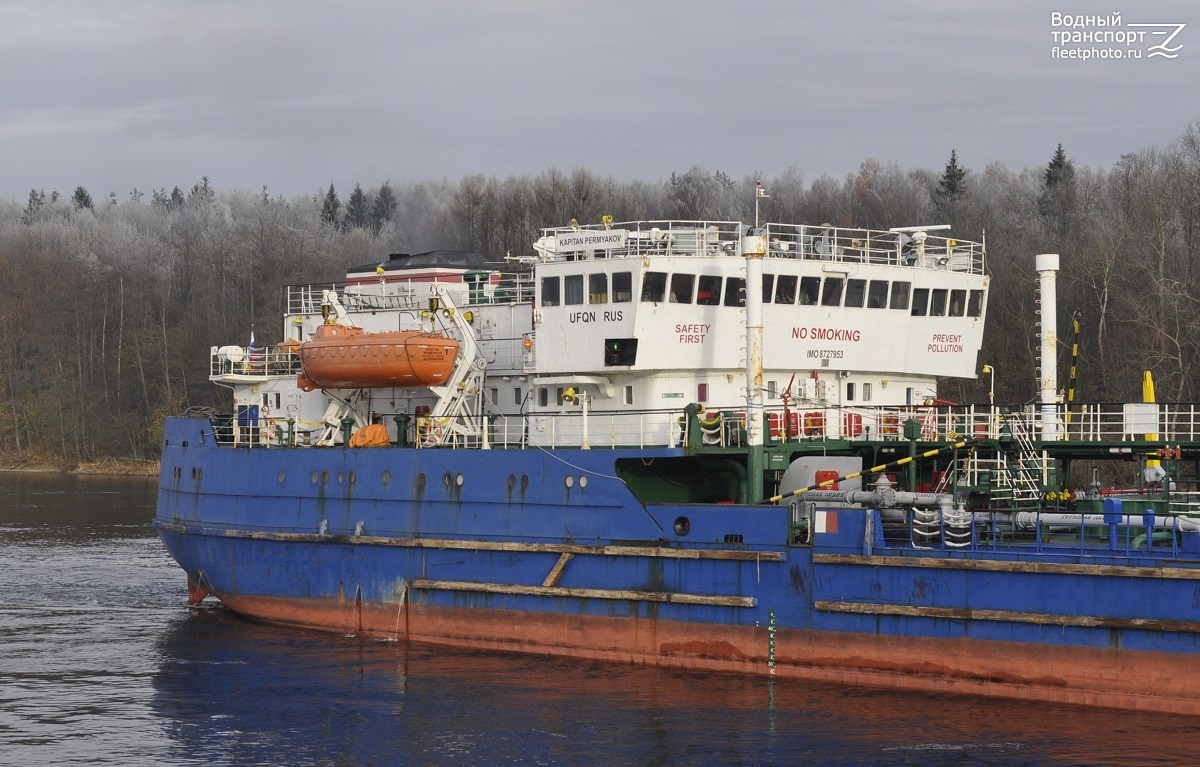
[118,94]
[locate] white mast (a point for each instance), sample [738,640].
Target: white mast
[1047,269]
[753,249]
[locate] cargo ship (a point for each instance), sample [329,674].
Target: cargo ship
[698,444]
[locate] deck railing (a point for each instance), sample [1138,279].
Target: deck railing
[850,245]
[1114,423]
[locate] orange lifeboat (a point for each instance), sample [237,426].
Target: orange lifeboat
[340,357]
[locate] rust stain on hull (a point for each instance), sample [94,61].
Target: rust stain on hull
[1124,679]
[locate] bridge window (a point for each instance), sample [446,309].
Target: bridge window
[832,295]
[920,302]
[708,292]
[856,291]
[975,303]
[735,291]
[622,287]
[958,303]
[573,288]
[550,292]
[900,295]
[877,294]
[785,289]
[598,288]
[937,306]
[654,286]
[682,288]
[810,290]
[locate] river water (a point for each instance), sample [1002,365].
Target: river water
[102,662]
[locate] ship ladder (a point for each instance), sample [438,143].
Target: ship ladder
[1025,473]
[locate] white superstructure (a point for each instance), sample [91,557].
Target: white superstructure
[640,319]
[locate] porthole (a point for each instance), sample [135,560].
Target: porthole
[352,477]
[341,477]
[315,477]
[582,481]
[683,525]
[447,480]
[200,473]
[386,477]
[324,476]
[282,476]
[421,482]
[569,481]
[524,481]
[512,481]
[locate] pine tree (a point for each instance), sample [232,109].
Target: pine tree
[954,180]
[37,198]
[1060,170]
[356,209]
[331,206]
[384,208]
[82,199]
[1057,201]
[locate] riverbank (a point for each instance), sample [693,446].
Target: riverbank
[116,467]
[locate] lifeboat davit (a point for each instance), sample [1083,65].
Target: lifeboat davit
[340,357]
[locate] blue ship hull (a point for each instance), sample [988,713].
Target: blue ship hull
[550,552]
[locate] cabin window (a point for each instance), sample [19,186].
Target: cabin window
[550,294]
[654,286]
[516,395]
[708,291]
[772,390]
[494,395]
[900,295]
[735,291]
[920,302]
[702,392]
[937,304]
[543,396]
[598,288]
[682,288]
[958,303]
[856,292]
[975,303]
[810,290]
[850,392]
[560,391]
[768,287]
[785,289]
[628,395]
[622,287]
[832,296]
[866,392]
[573,289]
[877,294]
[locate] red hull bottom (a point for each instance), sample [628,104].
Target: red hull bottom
[1144,681]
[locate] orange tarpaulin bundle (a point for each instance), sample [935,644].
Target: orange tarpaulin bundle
[375,435]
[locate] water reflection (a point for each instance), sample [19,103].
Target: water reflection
[238,692]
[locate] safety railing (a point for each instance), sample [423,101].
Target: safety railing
[645,239]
